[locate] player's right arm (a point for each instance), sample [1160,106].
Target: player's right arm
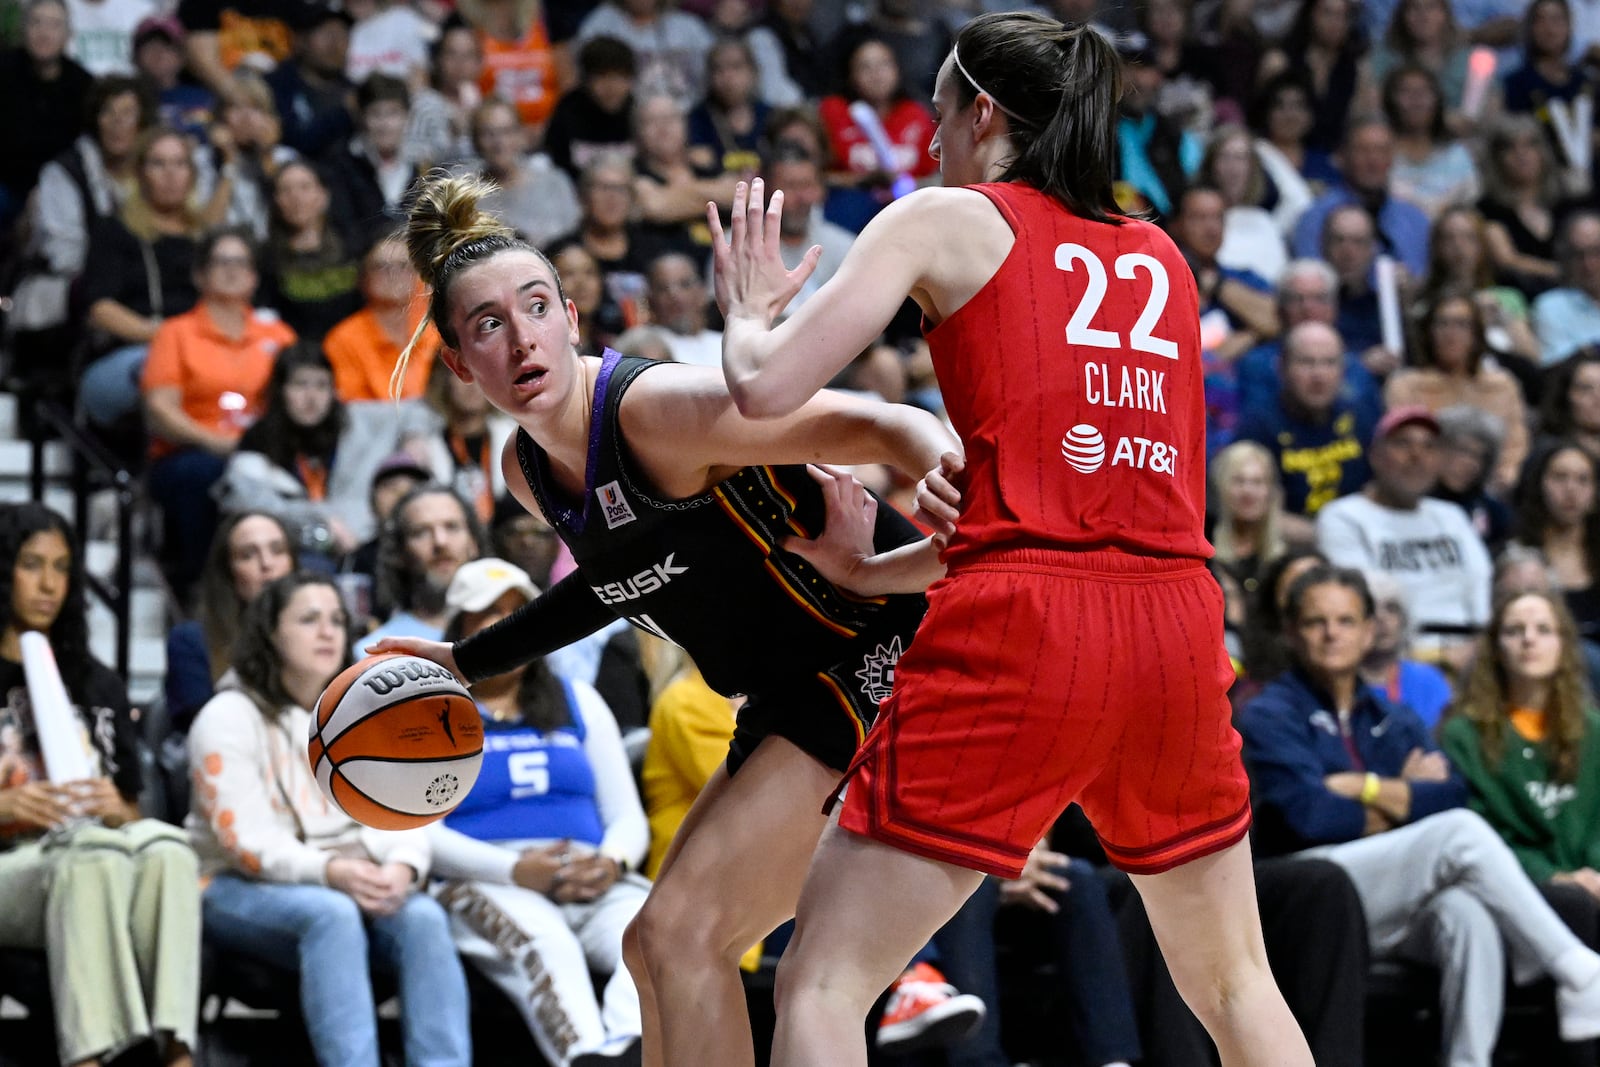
[568,611]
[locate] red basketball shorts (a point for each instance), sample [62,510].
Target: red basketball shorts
[1040,677]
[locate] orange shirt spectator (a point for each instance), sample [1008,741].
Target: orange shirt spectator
[363,355]
[364,347]
[219,377]
[522,70]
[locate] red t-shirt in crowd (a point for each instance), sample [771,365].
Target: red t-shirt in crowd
[908,125]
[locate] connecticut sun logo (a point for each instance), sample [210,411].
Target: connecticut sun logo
[877,671]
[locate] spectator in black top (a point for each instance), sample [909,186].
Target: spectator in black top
[1524,200]
[1547,76]
[1572,400]
[1558,513]
[1326,43]
[1470,441]
[111,897]
[596,117]
[791,57]
[623,250]
[54,87]
[313,271]
[311,91]
[371,173]
[143,271]
[919,44]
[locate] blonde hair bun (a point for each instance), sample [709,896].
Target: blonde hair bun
[446,217]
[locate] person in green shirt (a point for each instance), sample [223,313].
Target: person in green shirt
[1525,736]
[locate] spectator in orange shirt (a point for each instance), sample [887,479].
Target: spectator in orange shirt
[518,63]
[364,347]
[202,386]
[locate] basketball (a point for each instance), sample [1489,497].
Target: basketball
[396,742]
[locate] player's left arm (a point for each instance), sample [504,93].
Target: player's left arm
[682,425]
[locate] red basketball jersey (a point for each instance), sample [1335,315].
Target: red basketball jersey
[1073,377]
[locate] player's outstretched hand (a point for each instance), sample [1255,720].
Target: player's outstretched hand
[440,652]
[938,499]
[846,537]
[750,278]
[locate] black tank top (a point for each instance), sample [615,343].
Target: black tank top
[706,572]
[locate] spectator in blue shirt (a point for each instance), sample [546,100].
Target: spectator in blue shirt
[1158,156]
[1388,672]
[1317,437]
[1366,158]
[1308,291]
[1350,245]
[1567,318]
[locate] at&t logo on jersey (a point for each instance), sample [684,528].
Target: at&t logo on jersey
[614,505]
[1084,449]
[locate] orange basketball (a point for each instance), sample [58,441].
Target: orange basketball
[396,741]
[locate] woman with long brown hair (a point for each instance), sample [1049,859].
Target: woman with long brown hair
[1526,737]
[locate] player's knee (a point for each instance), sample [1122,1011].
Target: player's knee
[673,930]
[1217,990]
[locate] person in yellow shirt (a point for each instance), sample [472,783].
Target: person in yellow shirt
[365,347]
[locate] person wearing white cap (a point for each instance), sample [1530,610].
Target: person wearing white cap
[537,859]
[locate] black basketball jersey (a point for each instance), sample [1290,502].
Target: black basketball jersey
[706,572]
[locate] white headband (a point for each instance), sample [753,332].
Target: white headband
[955,54]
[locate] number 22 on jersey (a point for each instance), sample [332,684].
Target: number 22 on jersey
[1142,337]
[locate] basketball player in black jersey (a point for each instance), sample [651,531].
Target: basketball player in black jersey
[677,510]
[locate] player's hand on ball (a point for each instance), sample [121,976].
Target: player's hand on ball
[440,652]
[846,537]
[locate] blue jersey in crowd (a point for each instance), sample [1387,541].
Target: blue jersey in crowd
[534,785]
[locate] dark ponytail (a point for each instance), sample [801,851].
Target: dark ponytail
[1060,86]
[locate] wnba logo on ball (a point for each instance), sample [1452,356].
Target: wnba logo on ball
[1083,448]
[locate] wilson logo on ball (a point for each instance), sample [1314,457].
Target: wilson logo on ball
[1084,448]
[387,681]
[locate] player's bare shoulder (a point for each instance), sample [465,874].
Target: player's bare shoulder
[959,238]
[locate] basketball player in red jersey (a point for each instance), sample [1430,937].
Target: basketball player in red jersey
[1073,650]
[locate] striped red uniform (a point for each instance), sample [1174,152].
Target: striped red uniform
[1074,651]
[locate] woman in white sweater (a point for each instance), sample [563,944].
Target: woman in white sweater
[294,881]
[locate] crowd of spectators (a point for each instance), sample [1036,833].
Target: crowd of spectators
[1389,209]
